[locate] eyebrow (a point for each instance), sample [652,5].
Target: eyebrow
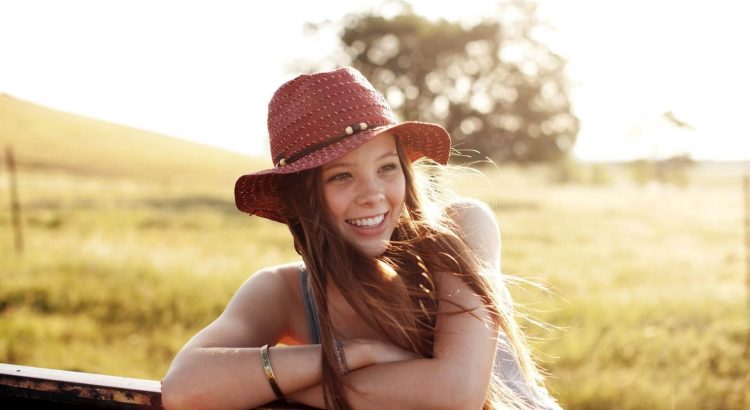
[348,164]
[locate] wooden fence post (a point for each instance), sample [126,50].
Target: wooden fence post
[15,206]
[746,208]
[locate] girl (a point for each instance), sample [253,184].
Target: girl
[397,302]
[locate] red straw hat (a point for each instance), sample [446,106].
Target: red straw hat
[316,118]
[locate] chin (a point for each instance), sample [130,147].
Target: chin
[373,246]
[373,250]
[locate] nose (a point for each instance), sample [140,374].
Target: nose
[370,192]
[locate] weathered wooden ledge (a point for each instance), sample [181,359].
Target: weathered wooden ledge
[50,388]
[35,387]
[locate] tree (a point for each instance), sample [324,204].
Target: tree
[495,88]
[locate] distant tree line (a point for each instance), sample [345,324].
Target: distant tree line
[499,92]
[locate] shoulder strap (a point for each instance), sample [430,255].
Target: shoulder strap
[311,311]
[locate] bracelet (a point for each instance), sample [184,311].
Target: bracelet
[269,372]
[338,351]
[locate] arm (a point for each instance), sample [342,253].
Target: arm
[457,377]
[459,374]
[480,231]
[221,367]
[412,383]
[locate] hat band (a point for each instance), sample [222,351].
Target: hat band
[281,160]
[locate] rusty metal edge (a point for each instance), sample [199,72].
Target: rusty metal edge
[99,390]
[71,387]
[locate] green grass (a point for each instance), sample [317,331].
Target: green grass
[646,309]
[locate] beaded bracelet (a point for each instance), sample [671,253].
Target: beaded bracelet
[269,371]
[338,351]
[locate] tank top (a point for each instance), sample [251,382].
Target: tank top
[506,365]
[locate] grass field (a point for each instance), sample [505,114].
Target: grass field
[127,255]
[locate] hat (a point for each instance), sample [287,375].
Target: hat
[317,118]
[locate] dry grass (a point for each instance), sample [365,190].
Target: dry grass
[647,307]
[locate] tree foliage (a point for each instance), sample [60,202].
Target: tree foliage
[495,88]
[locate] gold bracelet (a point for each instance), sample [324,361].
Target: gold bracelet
[269,371]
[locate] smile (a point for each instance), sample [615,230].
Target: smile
[369,222]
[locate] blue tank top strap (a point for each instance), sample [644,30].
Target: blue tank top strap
[311,311]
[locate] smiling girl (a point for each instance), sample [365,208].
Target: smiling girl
[392,306]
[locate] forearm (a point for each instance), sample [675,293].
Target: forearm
[418,384]
[215,377]
[413,384]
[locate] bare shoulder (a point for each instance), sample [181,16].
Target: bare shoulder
[274,276]
[478,228]
[273,283]
[470,212]
[258,312]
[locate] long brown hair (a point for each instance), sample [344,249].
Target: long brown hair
[395,293]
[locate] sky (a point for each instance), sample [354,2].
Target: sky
[205,70]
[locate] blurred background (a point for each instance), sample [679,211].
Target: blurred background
[612,138]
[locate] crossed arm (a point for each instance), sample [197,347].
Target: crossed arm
[208,374]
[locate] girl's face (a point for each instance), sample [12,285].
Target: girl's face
[364,191]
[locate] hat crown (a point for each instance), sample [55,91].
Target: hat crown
[314,108]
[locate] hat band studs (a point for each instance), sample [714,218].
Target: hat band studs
[348,132]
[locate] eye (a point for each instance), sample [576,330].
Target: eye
[389,167]
[339,178]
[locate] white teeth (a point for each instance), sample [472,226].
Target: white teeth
[375,220]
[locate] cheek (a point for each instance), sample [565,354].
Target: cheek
[397,193]
[335,201]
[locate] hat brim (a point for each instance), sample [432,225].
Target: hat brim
[257,193]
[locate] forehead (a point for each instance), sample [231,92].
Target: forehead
[381,145]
